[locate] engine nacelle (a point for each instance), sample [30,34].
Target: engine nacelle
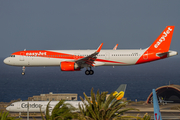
[69,66]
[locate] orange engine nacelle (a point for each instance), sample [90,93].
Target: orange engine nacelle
[69,66]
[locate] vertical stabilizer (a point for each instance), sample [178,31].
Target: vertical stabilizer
[120,92]
[157,113]
[163,42]
[160,47]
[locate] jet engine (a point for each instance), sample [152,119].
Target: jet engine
[69,66]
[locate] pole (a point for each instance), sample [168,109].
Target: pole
[28,111]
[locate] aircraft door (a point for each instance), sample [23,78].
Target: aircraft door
[22,54]
[76,56]
[107,56]
[18,106]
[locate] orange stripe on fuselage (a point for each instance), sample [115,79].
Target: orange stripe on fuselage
[50,54]
[108,61]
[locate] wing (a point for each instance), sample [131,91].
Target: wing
[89,60]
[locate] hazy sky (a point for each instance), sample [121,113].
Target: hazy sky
[84,24]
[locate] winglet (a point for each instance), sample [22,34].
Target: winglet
[115,47]
[99,48]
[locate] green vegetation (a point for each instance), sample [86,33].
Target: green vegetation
[145,117]
[101,108]
[4,116]
[62,111]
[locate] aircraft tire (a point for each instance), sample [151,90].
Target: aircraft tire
[91,72]
[87,72]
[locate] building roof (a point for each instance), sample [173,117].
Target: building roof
[168,93]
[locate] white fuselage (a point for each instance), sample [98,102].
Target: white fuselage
[34,106]
[104,58]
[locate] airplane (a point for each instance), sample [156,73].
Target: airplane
[34,106]
[157,113]
[75,60]
[162,101]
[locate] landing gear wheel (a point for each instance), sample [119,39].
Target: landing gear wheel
[91,72]
[87,72]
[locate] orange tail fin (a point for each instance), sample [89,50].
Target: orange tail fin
[160,48]
[162,43]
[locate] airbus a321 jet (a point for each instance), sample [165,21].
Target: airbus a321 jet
[75,60]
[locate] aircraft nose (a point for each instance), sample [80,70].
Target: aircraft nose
[7,108]
[6,61]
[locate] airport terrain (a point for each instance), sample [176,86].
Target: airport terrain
[169,111]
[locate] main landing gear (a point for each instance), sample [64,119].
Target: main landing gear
[23,69]
[89,72]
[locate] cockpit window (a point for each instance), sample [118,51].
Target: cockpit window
[12,56]
[12,105]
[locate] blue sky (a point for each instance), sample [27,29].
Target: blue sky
[82,24]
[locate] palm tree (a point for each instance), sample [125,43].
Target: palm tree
[145,117]
[101,108]
[62,111]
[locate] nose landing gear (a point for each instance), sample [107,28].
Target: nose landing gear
[23,69]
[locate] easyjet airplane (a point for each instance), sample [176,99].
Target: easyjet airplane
[75,60]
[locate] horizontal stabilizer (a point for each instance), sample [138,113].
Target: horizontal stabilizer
[162,54]
[167,54]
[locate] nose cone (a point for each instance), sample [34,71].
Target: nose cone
[8,108]
[6,61]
